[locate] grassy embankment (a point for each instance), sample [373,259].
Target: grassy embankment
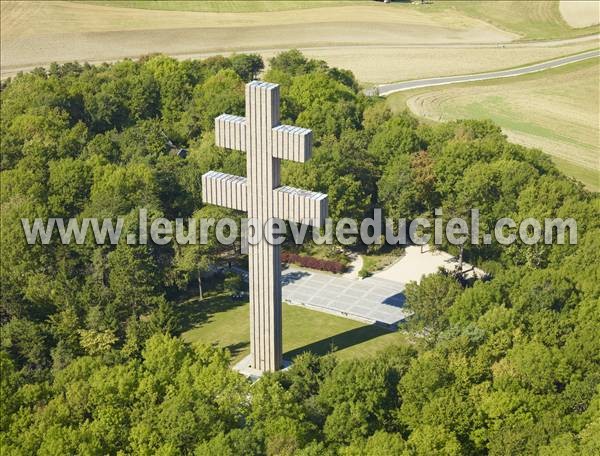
[533,20]
[556,110]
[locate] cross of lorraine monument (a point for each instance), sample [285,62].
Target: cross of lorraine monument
[261,195]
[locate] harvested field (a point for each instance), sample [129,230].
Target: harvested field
[37,33]
[539,19]
[405,63]
[400,44]
[220,6]
[578,13]
[36,18]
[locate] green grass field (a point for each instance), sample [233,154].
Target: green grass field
[219,320]
[533,20]
[555,110]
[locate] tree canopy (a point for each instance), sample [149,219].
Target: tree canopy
[91,358]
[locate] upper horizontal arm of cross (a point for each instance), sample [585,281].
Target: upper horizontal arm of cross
[230,132]
[287,142]
[292,143]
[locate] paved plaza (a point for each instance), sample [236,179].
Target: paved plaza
[372,300]
[375,299]
[414,265]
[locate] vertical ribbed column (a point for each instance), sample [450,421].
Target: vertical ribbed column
[277,336]
[262,114]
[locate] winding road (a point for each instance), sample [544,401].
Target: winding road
[387,89]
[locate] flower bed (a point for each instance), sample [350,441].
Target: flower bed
[312,262]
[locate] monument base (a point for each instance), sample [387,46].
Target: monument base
[244,367]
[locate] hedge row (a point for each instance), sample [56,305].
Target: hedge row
[312,262]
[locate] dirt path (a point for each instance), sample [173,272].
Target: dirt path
[354,267]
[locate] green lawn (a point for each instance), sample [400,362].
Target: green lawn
[220,6]
[532,20]
[219,320]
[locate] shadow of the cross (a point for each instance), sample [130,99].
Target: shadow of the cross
[237,348]
[339,341]
[290,277]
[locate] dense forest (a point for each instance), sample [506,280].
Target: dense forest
[91,358]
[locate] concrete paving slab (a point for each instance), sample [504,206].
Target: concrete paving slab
[374,300]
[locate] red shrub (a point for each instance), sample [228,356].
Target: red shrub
[312,262]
